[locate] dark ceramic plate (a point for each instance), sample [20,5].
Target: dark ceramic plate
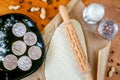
[6,24]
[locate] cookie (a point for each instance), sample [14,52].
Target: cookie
[34,52]
[19,29]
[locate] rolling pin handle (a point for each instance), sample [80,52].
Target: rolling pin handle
[64,13]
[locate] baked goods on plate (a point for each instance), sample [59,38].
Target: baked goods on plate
[17,38]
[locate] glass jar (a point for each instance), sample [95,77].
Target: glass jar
[107,29]
[93,13]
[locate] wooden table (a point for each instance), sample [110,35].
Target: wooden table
[26,5]
[112,12]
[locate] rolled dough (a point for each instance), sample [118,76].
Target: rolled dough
[60,61]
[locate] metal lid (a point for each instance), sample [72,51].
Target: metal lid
[107,29]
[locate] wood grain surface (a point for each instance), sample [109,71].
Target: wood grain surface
[51,8]
[112,8]
[112,12]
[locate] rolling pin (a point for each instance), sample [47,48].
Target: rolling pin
[75,44]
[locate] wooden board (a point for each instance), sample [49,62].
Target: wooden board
[112,12]
[93,43]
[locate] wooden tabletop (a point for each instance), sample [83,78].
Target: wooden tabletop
[51,8]
[112,12]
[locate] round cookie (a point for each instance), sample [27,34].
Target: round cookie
[10,62]
[30,38]
[34,52]
[19,29]
[24,63]
[19,48]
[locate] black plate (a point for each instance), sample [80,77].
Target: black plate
[6,22]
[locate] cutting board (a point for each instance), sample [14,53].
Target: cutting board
[93,43]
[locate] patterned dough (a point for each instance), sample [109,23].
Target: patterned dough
[60,61]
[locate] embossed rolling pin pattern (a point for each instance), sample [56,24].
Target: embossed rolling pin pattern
[75,44]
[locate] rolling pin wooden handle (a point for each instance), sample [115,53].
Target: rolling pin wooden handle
[75,44]
[88,76]
[64,13]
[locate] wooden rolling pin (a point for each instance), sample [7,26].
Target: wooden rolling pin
[75,44]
